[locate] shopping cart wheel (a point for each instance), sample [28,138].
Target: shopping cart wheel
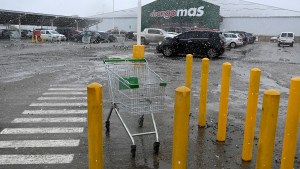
[156,147]
[133,150]
[141,121]
[107,125]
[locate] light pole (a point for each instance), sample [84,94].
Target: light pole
[139,20]
[138,49]
[113,14]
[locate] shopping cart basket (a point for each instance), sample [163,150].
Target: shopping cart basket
[134,87]
[120,42]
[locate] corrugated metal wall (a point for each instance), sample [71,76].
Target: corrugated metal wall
[262,26]
[127,24]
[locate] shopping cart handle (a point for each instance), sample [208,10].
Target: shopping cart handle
[123,60]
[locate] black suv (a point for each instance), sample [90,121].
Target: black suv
[203,43]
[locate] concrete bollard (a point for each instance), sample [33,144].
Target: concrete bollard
[95,140]
[251,114]
[267,129]
[291,126]
[181,127]
[138,52]
[203,92]
[189,71]
[223,112]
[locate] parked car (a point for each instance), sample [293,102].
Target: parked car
[75,36]
[274,39]
[173,33]
[95,36]
[14,35]
[251,38]
[208,43]
[233,39]
[51,35]
[68,32]
[286,38]
[6,34]
[243,35]
[130,35]
[153,35]
[107,37]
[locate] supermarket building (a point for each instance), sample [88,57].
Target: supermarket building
[223,15]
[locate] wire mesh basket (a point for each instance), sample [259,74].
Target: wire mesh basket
[134,86]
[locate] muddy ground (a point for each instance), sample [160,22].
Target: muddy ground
[35,67]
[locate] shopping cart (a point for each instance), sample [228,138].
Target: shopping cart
[134,87]
[120,42]
[86,40]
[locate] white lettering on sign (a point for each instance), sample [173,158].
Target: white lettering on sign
[179,13]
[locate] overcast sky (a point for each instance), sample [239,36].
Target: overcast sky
[92,7]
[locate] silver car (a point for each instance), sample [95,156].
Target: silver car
[233,39]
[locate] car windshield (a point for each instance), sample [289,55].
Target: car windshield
[53,32]
[283,34]
[290,35]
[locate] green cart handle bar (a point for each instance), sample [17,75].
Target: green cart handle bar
[123,60]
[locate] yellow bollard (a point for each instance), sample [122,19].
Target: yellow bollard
[251,114]
[95,140]
[222,119]
[32,38]
[181,127]
[138,52]
[291,126]
[36,39]
[42,37]
[267,129]
[203,93]
[189,71]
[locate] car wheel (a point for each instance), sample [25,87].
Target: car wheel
[292,44]
[144,41]
[212,53]
[232,45]
[167,51]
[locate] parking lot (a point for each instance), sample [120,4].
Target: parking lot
[30,70]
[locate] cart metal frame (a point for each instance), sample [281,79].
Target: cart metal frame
[139,99]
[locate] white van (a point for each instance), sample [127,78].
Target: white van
[286,38]
[51,35]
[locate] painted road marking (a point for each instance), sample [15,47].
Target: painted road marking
[46,130]
[58,104]
[38,143]
[64,93]
[68,89]
[69,85]
[50,120]
[31,112]
[61,98]
[36,159]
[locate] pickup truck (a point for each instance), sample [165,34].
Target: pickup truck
[153,35]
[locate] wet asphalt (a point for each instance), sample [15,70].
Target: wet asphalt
[28,70]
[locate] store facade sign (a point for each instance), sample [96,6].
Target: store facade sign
[191,12]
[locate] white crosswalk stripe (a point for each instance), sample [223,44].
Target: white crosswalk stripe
[50,120]
[58,104]
[36,159]
[59,96]
[42,130]
[68,89]
[68,85]
[39,143]
[45,112]
[64,93]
